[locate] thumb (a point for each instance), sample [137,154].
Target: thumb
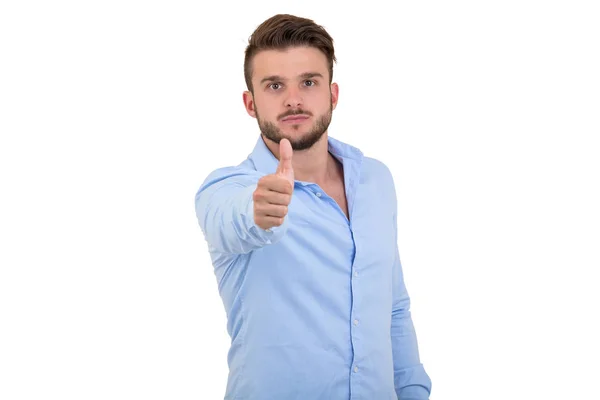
[285,167]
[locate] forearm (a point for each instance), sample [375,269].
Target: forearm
[225,212]
[410,379]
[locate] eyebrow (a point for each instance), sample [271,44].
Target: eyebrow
[306,75]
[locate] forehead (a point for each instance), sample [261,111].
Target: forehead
[289,63]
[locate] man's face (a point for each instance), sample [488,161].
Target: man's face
[292,97]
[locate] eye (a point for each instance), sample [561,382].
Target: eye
[312,83]
[275,84]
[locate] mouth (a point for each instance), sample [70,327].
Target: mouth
[295,119]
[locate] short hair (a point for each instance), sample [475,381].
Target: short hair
[283,31]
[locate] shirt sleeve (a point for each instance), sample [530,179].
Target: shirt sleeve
[410,379]
[225,212]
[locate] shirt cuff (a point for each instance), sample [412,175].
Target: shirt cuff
[276,232]
[415,392]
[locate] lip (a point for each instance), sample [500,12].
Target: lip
[295,118]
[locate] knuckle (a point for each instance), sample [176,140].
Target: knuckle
[261,223]
[259,195]
[259,210]
[263,182]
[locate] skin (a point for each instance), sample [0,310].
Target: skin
[286,83]
[273,193]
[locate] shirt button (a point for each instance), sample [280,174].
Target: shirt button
[355,369]
[355,322]
[355,273]
[318,194]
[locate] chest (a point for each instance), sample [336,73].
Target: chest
[337,192]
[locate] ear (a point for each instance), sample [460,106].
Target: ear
[335,91]
[249,103]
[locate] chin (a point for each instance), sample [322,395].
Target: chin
[295,135]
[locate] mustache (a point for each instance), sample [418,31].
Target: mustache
[296,112]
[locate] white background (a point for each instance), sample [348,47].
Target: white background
[112,114]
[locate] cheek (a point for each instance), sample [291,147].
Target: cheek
[265,105]
[264,109]
[321,100]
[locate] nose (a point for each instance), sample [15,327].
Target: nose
[293,98]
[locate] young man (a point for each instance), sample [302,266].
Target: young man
[303,240]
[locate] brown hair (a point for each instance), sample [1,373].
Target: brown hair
[283,31]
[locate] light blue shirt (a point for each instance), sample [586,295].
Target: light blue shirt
[316,308]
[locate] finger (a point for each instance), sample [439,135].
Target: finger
[263,195]
[271,210]
[276,198]
[276,183]
[285,167]
[266,222]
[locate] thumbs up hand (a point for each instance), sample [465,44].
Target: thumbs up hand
[273,193]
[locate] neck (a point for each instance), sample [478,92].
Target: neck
[314,165]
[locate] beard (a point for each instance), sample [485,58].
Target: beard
[306,141]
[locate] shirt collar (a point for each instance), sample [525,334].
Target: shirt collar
[267,163]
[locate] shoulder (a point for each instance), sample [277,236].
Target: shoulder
[378,177]
[243,174]
[377,170]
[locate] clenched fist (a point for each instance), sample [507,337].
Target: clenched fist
[273,193]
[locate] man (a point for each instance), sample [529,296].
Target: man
[303,240]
